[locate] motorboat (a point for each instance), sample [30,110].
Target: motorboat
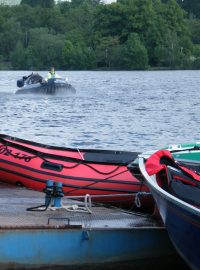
[103,174]
[36,84]
[175,186]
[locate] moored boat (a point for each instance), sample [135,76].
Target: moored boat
[35,84]
[82,171]
[175,187]
[186,153]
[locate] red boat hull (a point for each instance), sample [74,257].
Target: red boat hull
[94,172]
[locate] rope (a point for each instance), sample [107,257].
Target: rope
[38,208]
[4,150]
[100,172]
[96,182]
[80,154]
[137,198]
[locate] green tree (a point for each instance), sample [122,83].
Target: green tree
[51,19]
[194,26]
[41,3]
[77,56]
[18,57]
[116,57]
[128,34]
[80,19]
[67,53]
[111,20]
[26,15]
[136,56]
[191,6]
[168,53]
[45,48]
[104,51]
[11,33]
[2,21]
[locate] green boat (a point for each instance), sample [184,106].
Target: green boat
[185,152]
[188,154]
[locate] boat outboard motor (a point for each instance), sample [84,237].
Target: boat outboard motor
[20,83]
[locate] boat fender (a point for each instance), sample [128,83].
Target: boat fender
[58,194]
[48,190]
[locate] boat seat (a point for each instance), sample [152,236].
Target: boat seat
[183,186]
[113,157]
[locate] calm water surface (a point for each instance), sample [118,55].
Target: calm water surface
[111,110]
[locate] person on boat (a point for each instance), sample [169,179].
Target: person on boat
[52,74]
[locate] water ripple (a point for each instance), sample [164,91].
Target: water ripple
[111,110]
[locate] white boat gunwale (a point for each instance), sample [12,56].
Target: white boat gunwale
[152,183]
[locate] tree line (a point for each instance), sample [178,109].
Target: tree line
[90,35]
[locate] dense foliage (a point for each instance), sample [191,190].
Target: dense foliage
[87,34]
[191,6]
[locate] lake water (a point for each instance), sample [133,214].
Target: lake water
[133,110]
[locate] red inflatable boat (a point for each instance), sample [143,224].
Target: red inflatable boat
[94,172]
